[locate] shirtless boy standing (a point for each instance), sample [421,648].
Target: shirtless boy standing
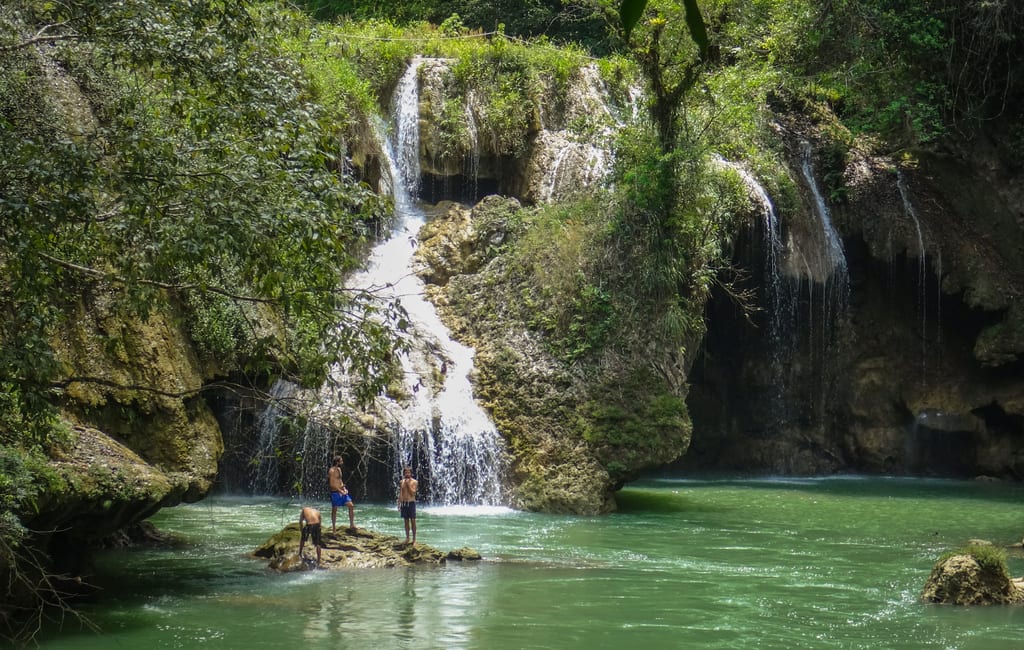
[407,502]
[309,524]
[339,496]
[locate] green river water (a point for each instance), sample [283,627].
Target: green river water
[746,563]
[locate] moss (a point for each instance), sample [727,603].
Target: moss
[1003,342]
[991,559]
[643,425]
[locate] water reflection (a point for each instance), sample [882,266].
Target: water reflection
[756,564]
[407,607]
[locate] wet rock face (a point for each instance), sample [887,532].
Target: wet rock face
[559,149]
[142,438]
[919,373]
[961,580]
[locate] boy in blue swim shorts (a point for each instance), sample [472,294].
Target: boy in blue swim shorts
[339,495]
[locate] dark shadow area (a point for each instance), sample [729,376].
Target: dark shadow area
[460,188]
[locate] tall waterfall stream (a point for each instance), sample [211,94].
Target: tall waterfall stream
[441,432]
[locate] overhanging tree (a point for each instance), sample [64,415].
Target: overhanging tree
[170,155]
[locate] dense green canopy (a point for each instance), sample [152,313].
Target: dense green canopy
[187,159]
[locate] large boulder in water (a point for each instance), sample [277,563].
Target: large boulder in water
[961,579]
[350,548]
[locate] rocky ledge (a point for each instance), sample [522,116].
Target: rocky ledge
[351,548]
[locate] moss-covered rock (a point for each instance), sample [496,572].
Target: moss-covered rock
[350,548]
[143,436]
[976,575]
[577,429]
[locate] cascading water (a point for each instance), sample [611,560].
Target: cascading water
[474,142]
[772,242]
[266,474]
[454,448]
[824,316]
[779,302]
[836,290]
[567,162]
[922,267]
[835,257]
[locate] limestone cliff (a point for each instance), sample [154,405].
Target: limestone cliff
[917,371]
[577,431]
[897,351]
[143,437]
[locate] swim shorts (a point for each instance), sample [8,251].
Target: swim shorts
[408,509]
[312,531]
[338,499]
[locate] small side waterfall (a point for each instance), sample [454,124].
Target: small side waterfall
[772,237]
[266,468]
[437,428]
[474,142]
[832,260]
[835,257]
[779,296]
[566,162]
[817,308]
[922,267]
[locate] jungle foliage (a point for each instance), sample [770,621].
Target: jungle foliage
[172,157]
[188,157]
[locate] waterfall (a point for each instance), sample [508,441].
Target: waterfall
[441,431]
[566,162]
[404,152]
[833,263]
[833,276]
[779,303]
[835,258]
[772,243]
[922,266]
[266,474]
[474,142]
[551,186]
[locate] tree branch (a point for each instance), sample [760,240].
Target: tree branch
[102,275]
[40,37]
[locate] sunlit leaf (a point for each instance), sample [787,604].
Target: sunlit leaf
[630,12]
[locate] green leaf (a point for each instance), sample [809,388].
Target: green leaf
[698,31]
[630,12]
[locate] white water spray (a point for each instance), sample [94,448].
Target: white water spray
[266,474]
[835,257]
[443,433]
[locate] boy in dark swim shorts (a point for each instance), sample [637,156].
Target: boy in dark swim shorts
[309,523]
[407,502]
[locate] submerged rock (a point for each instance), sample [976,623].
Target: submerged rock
[351,548]
[463,554]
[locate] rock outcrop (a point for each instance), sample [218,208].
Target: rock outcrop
[351,548]
[578,431]
[554,144]
[961,580]
[916,369]
[141,436]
